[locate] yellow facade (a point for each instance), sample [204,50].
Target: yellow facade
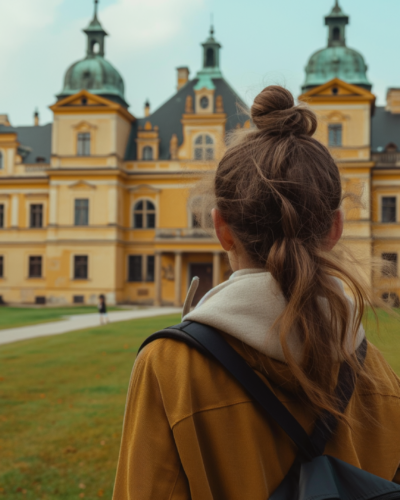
[114,218]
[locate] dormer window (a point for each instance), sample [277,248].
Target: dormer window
[147,153]
[204,102]
[84,144]
[204,147]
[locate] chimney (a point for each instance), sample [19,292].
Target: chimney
[36,118]
[147,108]
[183,76]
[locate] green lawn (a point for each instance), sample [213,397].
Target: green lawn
[62,401]
[12,317]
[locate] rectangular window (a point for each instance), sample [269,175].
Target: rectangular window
[82,212]
[335,134]
[1,215]
[81,267]
[84,144]
[390,266]
[389,209]
[35,267]
[135,268]
[150,268]
[1,267]
[78,299]
[36,219]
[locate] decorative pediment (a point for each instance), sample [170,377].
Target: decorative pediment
[84,125]
[337,89]
[335,116]
[144,189]
[84,101]
[82,185]
[41,194]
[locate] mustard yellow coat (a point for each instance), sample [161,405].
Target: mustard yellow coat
[191,432]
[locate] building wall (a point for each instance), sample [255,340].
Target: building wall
[114,186]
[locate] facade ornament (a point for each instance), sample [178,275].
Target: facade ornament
[219,104]
[173,147]
[189,105]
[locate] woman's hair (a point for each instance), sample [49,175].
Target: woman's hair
[279,191]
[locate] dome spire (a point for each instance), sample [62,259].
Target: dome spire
[337,21]
[96,35]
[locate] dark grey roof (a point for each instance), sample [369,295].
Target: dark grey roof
[36,141]
[385,129]
[6,130]
[168,117]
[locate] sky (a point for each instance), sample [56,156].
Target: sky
[264,42]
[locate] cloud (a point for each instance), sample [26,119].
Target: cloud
[24,19]
[148,23]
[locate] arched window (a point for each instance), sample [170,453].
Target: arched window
[147,153]
[210,58]
[144,215]
[95,47]
[336,34]
[1,161]
[204,147]
[84,144]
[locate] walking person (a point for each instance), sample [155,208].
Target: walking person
[194,429]
[102,306]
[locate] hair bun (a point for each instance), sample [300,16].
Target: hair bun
[274,112]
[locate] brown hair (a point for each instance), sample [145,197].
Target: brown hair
[279,189]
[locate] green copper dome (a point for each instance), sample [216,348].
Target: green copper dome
[94,73]
[336,60]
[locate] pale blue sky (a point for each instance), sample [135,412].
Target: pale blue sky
[264,42]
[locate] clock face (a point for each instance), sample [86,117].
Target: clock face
[204,102]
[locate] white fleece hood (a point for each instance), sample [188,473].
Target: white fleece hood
[246,306]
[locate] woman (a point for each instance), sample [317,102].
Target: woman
[190,431]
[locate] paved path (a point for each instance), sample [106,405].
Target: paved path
[78,322]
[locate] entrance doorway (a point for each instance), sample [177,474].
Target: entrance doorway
[205,273]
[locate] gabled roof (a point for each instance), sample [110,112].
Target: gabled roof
[346,91]
[168,117]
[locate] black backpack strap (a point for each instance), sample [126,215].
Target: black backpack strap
[217,346]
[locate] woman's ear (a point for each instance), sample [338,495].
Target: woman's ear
[222,230]
[336,230]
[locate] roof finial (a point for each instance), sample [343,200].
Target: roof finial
[212,25]
[95,7]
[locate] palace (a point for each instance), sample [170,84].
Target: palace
[97,201]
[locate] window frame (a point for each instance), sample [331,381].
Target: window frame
[390,270]
[144,212]
[81,209]
[84,144]
[147,148]
[203,146]
[75,267]
[36,219]
[132,277]
[150,277]
[2,215]
[382,208]
[332,127]
[31,265]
